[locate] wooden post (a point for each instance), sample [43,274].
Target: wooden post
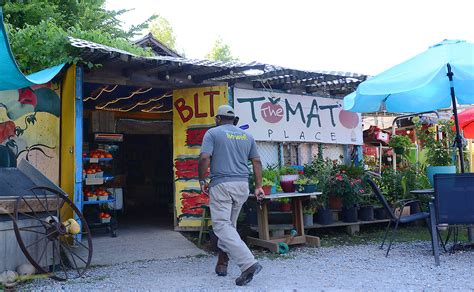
[263,230]
[298,215]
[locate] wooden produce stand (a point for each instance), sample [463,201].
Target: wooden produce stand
[272,244]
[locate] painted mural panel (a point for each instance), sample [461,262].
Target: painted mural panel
[29,128]
[193,114]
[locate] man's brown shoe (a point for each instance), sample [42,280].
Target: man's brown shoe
[222,263]
[248,274]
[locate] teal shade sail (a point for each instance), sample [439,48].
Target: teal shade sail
[10,75]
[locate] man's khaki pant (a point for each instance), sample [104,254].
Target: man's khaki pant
[226,200]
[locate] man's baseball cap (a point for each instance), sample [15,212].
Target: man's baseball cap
[226,111]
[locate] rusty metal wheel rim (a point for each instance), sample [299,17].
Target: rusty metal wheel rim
[54,232]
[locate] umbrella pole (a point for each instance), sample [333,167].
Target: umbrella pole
[458,139]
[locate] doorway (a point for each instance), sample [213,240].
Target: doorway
[148,192]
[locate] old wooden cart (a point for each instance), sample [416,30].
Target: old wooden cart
[46,225]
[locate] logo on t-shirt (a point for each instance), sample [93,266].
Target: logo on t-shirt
[236,136]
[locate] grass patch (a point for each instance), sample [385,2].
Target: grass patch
[374,234]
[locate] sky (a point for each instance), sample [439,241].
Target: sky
[361,36]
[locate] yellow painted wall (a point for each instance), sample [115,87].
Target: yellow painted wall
[193,113]
[68,131]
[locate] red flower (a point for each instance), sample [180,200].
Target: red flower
[339,177]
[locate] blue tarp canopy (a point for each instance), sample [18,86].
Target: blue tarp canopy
[10,75]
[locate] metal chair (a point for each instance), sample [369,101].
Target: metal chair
[396,219]
[453,204]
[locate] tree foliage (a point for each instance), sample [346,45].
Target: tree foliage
[162,30]
[220,52]
[38,30]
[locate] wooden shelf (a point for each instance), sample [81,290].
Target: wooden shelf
[316,226]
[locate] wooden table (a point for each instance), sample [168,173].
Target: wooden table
[264,239]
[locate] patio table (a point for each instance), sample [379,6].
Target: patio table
[272,244]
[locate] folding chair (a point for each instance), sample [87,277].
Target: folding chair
[453,204]
[394,219]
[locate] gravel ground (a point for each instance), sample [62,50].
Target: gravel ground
[409,267]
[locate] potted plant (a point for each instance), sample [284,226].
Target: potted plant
[439,155]
[346,183]
[271,173]
[267,186]
[399,143]
[350,202]
[366,210]
[323,212]
[285,204]
[306,184]
[308,212]
[343,184]
[288,175]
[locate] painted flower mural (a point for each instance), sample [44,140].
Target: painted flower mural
[29,128]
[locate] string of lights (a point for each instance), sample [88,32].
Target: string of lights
[139,91]
[141,103]
[105,89]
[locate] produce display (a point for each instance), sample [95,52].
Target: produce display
[98,154]
[96,197]
[104,217]
[99,193]
[92,169]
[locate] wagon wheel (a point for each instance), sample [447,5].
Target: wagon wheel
[50,242]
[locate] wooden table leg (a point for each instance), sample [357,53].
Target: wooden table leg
[262,217]
[297,207]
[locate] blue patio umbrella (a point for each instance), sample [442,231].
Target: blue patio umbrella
[438,78]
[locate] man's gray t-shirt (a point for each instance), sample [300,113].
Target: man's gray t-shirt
[230,149]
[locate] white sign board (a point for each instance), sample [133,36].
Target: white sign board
[272,116]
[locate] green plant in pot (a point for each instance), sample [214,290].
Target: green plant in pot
[400,143]
[285,204]
[347,183]
[323,212]
[288,176]
[305,184]
[367,204]
[440,149]
[267,186]
[341,185]
[308,212]
[272,173]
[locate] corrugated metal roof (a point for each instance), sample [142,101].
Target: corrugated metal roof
[233,71]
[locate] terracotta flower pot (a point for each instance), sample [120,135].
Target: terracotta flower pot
[267,190]
[285,207]
[335,202]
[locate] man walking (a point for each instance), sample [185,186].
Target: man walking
[228,149]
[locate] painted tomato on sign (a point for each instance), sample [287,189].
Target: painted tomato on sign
[271,111]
